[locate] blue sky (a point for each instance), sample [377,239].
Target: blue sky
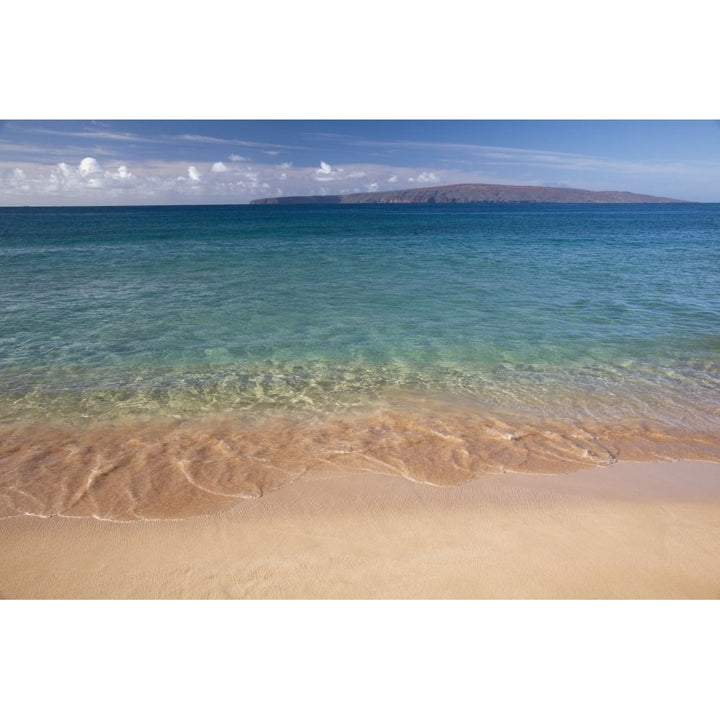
[75,162]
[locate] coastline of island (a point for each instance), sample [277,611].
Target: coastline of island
[467,193]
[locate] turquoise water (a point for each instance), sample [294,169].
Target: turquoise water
[162,362]
[571,310]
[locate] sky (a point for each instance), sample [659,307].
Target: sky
[138,162]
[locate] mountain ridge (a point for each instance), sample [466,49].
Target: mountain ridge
[471,193]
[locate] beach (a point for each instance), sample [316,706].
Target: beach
[632,530]
[360,402]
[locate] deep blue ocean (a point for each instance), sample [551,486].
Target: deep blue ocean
[560,309]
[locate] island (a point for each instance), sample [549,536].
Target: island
[470,193]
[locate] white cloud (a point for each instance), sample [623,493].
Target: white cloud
[425,177]
[89,166]
[91,134]
[327,172]
[63,181]
[114,182]
[18,180]
[158,182]
[237,158]
[202,139]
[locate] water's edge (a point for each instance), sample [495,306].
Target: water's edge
[158,469]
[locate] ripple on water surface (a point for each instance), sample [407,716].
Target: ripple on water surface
[163,362]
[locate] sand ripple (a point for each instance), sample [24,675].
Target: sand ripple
[162,469]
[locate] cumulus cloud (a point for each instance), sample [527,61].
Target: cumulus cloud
[327,172]
[236,158]
[425,177]
[89,181]
[18,180]
[89,166]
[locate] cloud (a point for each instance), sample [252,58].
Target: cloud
[425,177]
[202,139]
[510,159]
[89,166]
[91,134]
[167,182]
[237,158]
[326,172]
[64,183]
[272,148]
[18,180]
[88,181]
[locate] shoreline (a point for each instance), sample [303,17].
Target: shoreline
[630,530]
[157,469]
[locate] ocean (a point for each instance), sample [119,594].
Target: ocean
[160,362]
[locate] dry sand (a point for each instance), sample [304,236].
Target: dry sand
[633,530]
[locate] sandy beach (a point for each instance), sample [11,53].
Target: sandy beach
[632,530]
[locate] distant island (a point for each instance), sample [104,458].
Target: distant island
[470,193]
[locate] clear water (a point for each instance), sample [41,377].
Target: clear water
[571,313]
[185,309]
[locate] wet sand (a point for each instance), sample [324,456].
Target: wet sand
[631,530]
[158,469]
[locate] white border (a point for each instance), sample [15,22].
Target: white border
[379,59]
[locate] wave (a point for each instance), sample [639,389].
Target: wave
[161,469]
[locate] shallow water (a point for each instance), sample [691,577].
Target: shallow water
[166,361]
